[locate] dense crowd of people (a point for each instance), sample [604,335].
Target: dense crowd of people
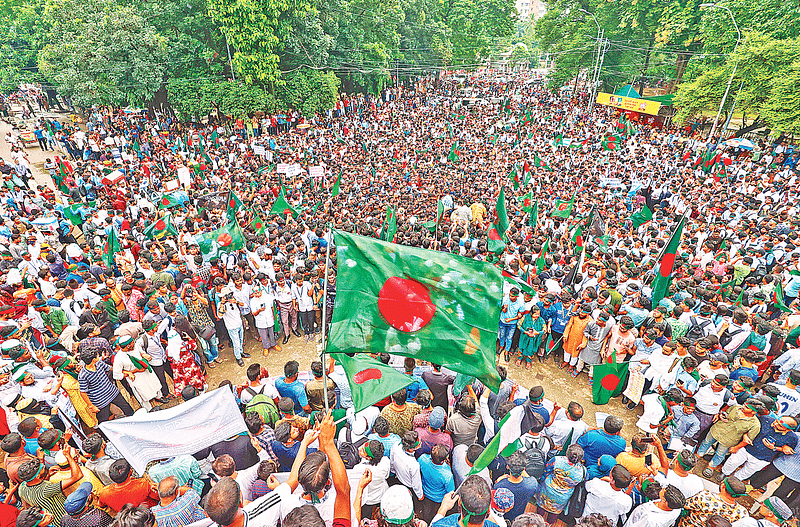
[109,305]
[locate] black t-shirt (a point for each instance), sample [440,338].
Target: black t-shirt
[240,449]
[437,383]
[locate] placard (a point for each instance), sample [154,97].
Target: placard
[259,150]
[171,185]
[294,170]
[316,171]
[283,168]
[635,386]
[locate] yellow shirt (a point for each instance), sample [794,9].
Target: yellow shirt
[88,475]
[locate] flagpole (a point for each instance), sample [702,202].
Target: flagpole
[324,321]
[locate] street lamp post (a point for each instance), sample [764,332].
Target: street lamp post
[595,72]
[733,73]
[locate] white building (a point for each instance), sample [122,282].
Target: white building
[531,9]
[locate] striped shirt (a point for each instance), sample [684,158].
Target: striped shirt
[182,511]
[182,467]
[46,495]
[97,385]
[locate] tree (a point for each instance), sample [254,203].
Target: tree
[107,55]
[310,91]
[782,110]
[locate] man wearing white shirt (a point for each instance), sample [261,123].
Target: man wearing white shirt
[661,513]
[679,474]
[261,302]
[610,496]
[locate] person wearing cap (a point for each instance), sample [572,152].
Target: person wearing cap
[706,503]
[773,511]
[502,502]
[133,367]
[734,430]
[80,512]
[434,433]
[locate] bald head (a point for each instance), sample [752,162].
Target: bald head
[168,488]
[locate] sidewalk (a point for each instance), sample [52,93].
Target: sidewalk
[36,155]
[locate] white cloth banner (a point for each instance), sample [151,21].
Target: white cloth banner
[259,150]
[294,170]
[316,171]
[183,429]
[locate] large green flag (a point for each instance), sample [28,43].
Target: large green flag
[110,248]
[281,207]
[663,277]
[161,228]
[609,380]
[453,156]
[335,189]
[168,201]
[418,303]
[533,221]
[370,380]
[778,298]
[540,263]
[73,212]
[499,225]
[257,224]
[641,216]
[563,208]
[224,240]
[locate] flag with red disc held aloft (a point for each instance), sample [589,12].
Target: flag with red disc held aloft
[282,207]
[609,379]
[499,225]
[224,240]
[666,264]
[417,303]
[160,228]
[370,380]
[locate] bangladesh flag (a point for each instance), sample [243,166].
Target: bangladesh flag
[370,380]
[258,225]
[417,303]
[663,278]
[527,202]
[497,229]
[74,213]
[777,297]
[234,204]
[641,216]
[110,248]
[389,227]
[224,240]
[515,177]
[161,228]
[215,137]
[168,201]
[281,207]
[335,189]
[611,142]
[540,264]
[609,380]
[559,140]
[563,208]
[431,225]
[533,221]
[454,153]
[539,163]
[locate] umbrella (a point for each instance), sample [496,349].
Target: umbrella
[739,142]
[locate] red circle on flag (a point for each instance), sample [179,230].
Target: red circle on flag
[165,201]
[563,206]
[405,304]
[610,382]
[287,211]
[258,225]
[232,203]
[160,225]
[493,234]
[367,375]
[224,239]
[667,262]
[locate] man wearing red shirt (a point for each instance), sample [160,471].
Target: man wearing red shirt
[126,489]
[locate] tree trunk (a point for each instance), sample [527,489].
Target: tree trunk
[680,67]
[646,66]
[755,125]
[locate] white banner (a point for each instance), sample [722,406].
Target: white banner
[259,150]
[268,155]
[183,429]
[316,171]
[283,168]
[294,170]
[635,386]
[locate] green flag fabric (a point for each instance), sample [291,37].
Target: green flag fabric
[515,177]
[563,209]
[389,228]
[110,248]
[73,212]
[431,225]
[664,275]
[234,204]
[540,263]
[335,189]
[641,216]
[527,202]
[505,442]
[258,225]
[533,221]
[499,225]
[454,153]
[281,207]
[168,201]
[370,380]
[778,298]
[224,240]
[611,142]
[609,380]
[161,228]
[417,303]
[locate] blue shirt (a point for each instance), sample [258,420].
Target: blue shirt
[759,450]
[744,372]
[595,443]
[413,389]
[295,391]
[524,491]
[452,521]
[789,465]
[437,480]
[560,318]
[388,442]
[513,310]
[684,425]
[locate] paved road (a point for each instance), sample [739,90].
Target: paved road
[36,155]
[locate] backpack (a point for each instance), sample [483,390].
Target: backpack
[349,450]
[263,405]
[696,329]
[535,458]
[727,336]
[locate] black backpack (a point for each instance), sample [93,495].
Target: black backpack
[535,457]
[349,450]
[727,336]
[696,329]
